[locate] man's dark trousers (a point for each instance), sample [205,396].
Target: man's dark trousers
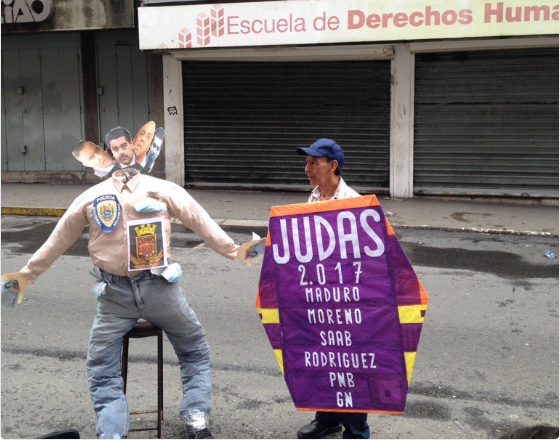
[355,424]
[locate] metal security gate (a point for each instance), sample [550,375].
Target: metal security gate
[41,102]
[243,121]
[123,85]
[487,123]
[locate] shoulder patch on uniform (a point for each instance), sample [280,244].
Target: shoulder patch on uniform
[107,212]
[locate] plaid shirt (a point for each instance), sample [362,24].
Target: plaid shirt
[342,191]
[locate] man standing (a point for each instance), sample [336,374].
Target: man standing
[131,245]
[324,162]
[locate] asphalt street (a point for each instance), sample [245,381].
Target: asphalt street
[487,361]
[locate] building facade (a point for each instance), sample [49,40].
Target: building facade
[426,97]
[71,70]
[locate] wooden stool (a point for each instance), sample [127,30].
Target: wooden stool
[145,330]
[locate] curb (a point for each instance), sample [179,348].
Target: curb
[42,212]
[478,230]
[59,212]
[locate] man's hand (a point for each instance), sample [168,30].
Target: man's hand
[13,285]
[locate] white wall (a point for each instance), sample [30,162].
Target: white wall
[173,109]
[402,122]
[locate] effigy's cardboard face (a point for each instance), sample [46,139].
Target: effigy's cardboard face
[143,140]
[93,156]
[122,152]
[341,305]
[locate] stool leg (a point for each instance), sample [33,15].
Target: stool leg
[124,362]
[160,381]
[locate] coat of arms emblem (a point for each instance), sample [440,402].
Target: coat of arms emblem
[148,250]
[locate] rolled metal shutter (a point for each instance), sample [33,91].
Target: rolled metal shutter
[41,102]
[243,121]
[487,123]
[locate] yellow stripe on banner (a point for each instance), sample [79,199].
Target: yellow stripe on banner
[412,314]
[269,316]
[278,354]
[409,358]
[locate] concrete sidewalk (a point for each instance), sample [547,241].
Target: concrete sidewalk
[252,208]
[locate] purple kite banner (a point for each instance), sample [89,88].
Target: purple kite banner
[341,305]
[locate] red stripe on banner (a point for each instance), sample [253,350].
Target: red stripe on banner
[328,205]
[390,229]
[258,300]
[423,295]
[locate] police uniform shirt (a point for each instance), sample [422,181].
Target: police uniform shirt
[110,250]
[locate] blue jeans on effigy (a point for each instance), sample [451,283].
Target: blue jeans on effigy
[355,424]
[163,304]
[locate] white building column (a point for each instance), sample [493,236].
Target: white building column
[402,122]
[173,109]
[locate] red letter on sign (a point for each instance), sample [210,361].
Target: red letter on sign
[400,19]
[413,19]
[466,16]
[333,23]
[319,22]
[232,24]
[499,13]
[360,17]
[373,21]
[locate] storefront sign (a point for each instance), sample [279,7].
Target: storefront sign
[22,11]
[23,16]
[341,305]
[333,21]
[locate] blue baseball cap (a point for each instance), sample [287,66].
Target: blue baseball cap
[324,148]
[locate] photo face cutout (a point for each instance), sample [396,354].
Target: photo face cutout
[143,140]
[92,155]
[123,152]
[155,149]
